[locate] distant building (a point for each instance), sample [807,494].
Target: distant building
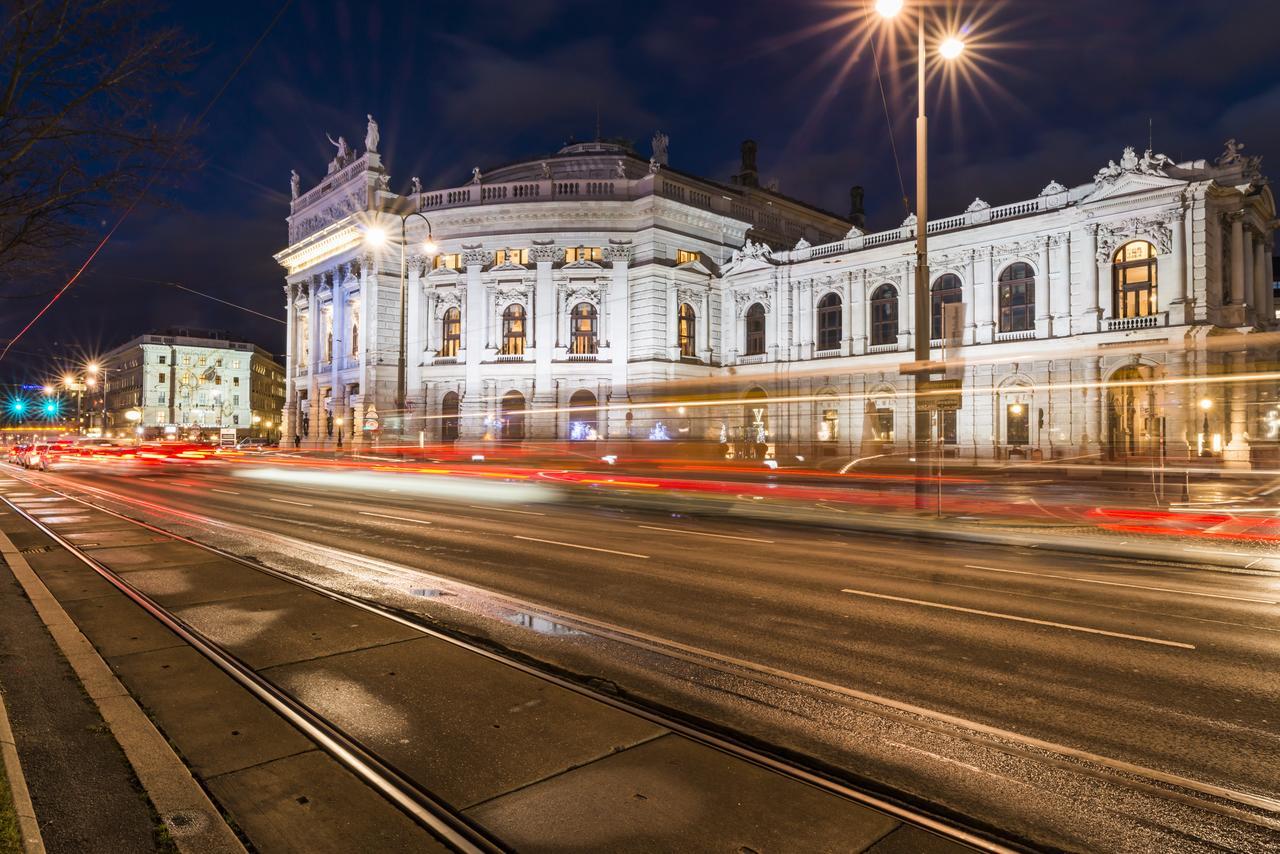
[183,381]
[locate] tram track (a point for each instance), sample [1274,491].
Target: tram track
[447,823]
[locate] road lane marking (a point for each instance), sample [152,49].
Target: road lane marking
[223,491]
[397,518]
[704,534]
[576,546]
[998,615]
[286,501]
[1122,584]
[506,510]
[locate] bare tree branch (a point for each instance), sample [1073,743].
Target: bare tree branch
[79,83]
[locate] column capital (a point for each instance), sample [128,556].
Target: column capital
[618,251]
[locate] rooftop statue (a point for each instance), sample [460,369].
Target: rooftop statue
[659,144]
[344,153]
[295,182]
[371,136]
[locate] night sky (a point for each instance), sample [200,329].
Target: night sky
[484,82]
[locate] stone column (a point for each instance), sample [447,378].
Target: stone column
[1261,281]
[858,314]
[335,319]
[704,328]
[983,297]
[906,307]
[415,345]
[1092,440]
[475,325]
[846,316]
[673,310]
[1060,293]
[619,336]
[287,418]
[1250,288]
[1178,408]
[1042,290]
[1237,451]
[1091,317]
[1177,305]
[315,406]
[1237,258]
[544,334]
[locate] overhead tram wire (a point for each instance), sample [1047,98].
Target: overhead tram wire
[150,181]
[888,119]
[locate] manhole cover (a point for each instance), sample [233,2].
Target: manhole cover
[186,822]
[36,550]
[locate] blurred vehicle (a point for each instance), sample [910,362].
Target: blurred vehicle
[16,452]
[252,444]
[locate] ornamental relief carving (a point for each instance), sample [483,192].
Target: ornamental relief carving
[476,256]
[577,295]
[688,295]
[1010,250]
[618,251]
[1112,235]
[746,298]
[445,300]
[545,253]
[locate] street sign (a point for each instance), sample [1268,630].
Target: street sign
[937,395]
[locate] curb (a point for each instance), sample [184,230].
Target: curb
[28,825]
[194,823]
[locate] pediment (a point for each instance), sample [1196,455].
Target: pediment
[746,265]
[695,266]
[1130,183]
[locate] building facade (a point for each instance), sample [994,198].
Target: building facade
[184,383]
[594,295]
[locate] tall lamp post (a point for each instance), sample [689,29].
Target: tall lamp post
[949,49]
[377,237]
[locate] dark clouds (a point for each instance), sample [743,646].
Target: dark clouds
[457,84]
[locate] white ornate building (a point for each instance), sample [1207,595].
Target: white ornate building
[575,296]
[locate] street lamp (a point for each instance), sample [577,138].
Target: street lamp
[949,49]
[376,237]
[338,421]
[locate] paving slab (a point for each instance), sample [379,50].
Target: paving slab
[215,723]
[306,803]
[113,537]
[295,625]
[213,581]
[464,726]
[70,585]
[675,795]
[116,626]
[152,556]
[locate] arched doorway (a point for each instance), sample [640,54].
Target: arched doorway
[512,416]
[1135,426]
[449,406]
[583,423]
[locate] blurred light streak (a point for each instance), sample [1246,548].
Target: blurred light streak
[442,486]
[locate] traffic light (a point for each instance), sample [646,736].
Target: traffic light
[17,407]
[51,408]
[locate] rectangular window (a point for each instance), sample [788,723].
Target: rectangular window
[186,360]
[451,261]
[235,363]
[884,425]
[162,360]
[160,398]
[160,377]
[684,256]
[203,360]
[948,417]
[511,256]
[235,381]
[235,400]
[583,253]
[1017,424]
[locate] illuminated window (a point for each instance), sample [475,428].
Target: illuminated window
[948,418]
[755,330]
[202,361]
[162,376]
[884,315]
[511,256]
[685,333]
[583,253]
[235,363]
[1133,276]
[452,261]
[582,329]
[449,406]
[1017,298]
[451,332]
[513,330]
[186,360]
[946,290]
[830,322]
[512,408]
[684,256]
[583,419]
[829,429]
[1017,424]
[882,425]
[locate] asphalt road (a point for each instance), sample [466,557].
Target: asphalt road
[1168,667]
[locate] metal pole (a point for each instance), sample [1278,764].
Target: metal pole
[923,325]
[404,322]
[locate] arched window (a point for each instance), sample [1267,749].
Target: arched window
[830,323]
[451,332]
[685,334]
[582,417]
[946,290]
[355,329]
[449,417]
[1133,275]
[513,416]
[755,330]
[513,330]
[582,329]
[884,315]
[1017,298]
